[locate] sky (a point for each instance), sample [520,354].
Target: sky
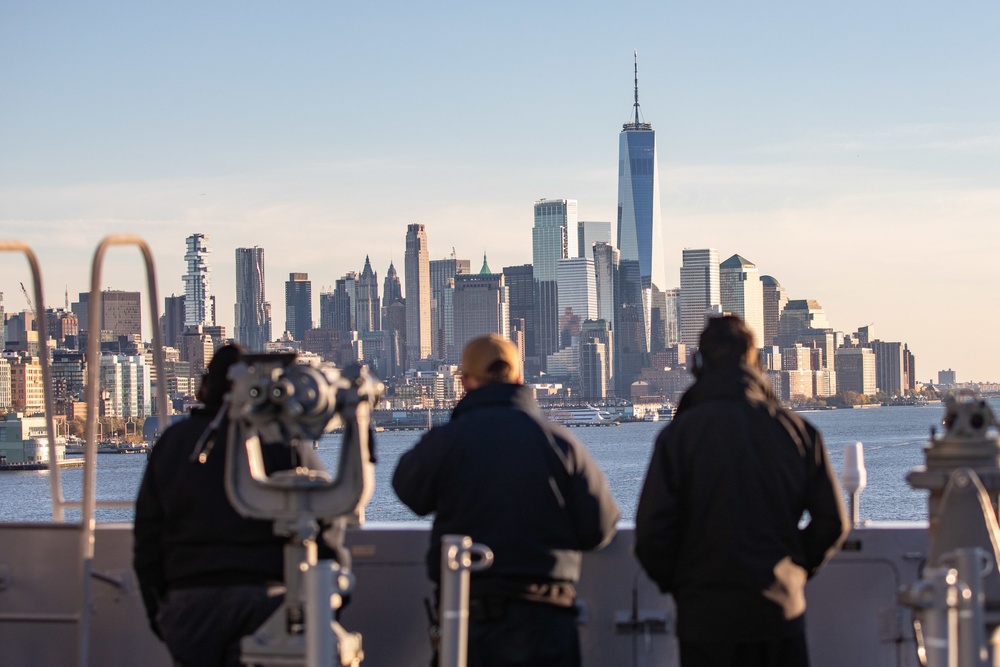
[851,150]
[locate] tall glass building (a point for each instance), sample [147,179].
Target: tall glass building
[252,312]
[298,305]
[554,237]
[197,286]
[642,268]
[417,270]
[700,292]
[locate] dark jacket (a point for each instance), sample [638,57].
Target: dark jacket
[718,522]
[501,474]
[186,532]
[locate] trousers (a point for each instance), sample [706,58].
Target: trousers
[202,627]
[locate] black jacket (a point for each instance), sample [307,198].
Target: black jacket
[718,522]
[501,474]
[186,532]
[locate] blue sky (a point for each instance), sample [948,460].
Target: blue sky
[850,150]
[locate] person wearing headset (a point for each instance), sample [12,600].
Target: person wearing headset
[720,517]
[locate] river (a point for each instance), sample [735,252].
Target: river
[893,439]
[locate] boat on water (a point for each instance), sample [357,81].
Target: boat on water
[68,595]
[584,415]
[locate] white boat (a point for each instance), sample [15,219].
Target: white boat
[585,415]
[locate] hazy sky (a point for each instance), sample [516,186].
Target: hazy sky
[851,150]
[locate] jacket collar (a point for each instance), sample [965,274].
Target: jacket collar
[732,383]
[498,395]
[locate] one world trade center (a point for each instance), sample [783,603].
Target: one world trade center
[640,313]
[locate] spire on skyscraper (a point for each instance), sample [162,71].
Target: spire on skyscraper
[486,267]
[635,120]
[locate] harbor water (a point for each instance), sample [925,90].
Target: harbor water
[893,439]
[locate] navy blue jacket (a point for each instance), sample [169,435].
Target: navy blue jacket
[500,473]
[186,532]
[718,522]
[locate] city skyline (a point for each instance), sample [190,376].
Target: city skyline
[852,160]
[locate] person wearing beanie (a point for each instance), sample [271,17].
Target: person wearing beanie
[720,517]
[207,575]
[502,474]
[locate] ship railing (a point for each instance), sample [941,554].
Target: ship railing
[55,487]
[89,503]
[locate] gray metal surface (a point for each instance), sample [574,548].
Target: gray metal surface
[853,618]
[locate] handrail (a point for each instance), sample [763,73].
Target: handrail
[88,502]
[55,486]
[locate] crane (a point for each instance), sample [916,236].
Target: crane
[27,298]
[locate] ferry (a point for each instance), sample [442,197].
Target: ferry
[896,595]
[585,415]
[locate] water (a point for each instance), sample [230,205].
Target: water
[893,439]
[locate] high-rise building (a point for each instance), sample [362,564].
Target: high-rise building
[172,319]
[672,316]
[606,258]
[252,312]
[481,307]
[121,312]
[642,265]
[856,370]
[392,290]
[6,401]
[592,332]
[890,367]
[369,310]
[521,287]
[337,309]
[418,294]
[197,286]
[590,232]
[27,391]
[741,293]
[700,292]
[798,317]
[553,238]
[774,300]
[298,305]
[577,297]
[443,272]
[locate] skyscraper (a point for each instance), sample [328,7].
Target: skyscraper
[642,267]
[418,295]
[392,291]
[197,286]
[172,319]
[577,297]
[590,232]
[443,272]
[521,286]
[775,298]
[699,291]
[742,294]
[298,305]
[369,311]
[481,307]
[252,312]
[552,238]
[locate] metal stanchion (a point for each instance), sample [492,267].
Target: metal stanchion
[457,561]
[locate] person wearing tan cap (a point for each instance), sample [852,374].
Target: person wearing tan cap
[526,488]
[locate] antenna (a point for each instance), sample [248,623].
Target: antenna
[453,254]
[635,63]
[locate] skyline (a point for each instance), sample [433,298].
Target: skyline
[849,153]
